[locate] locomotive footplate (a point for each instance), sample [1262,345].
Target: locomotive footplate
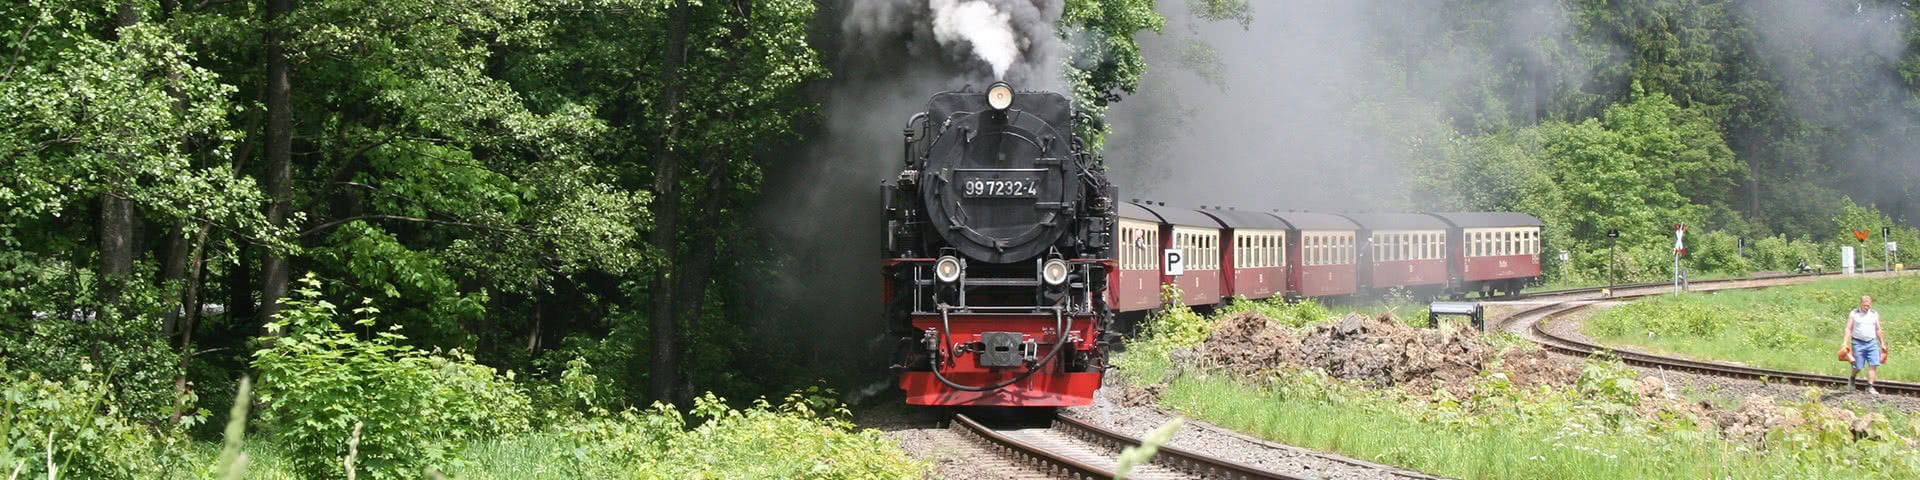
[1002,349]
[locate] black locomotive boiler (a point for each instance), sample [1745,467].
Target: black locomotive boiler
[999,247]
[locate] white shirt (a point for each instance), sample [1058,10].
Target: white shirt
[1866,325]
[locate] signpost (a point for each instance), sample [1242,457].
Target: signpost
[1846,260]
[1862,235]
[1886,256]
[1176,262]
[1612,235]
[1679,249]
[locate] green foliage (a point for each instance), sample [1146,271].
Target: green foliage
[1176,325]
[76,427]
[1108,60]
[575,395]
[1610,423]
[1278,310]
[796,439]
[1793,328]
[403,410]
[88,340]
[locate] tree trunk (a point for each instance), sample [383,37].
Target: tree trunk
[189,318]
[279,138]
[116,248]
[692,287]
[116,215]
[664,367]
[173,269]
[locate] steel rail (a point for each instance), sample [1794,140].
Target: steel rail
[1562,344]
[1054,463]
[1188,461]
[1050,462]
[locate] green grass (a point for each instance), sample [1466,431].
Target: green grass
[1594,430]
[1797,328]
[1522,435]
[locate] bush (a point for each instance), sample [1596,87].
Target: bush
[71,329]
[1175,324]
[78,423]
[328,394]
[804,437]
[574,396]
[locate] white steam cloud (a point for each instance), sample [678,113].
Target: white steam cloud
[976,22]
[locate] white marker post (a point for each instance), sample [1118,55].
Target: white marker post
[1679,249]
[1846,258]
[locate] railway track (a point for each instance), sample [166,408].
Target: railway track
[1528,323]
[1071,448]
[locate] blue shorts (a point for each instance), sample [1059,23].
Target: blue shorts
[1865,353]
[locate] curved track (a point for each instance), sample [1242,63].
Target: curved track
[1072,448]
[1527,323]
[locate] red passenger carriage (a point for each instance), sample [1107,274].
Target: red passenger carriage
[1135,286]
[1255,257]
[1323,260]
[1402,250]
[1492,252]
[1197,236]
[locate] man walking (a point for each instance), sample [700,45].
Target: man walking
[1863,332]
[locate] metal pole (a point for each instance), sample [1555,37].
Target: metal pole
[1676,271]
[1610,260]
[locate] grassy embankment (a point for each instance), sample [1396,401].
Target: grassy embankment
[1601,428]
[1796,328]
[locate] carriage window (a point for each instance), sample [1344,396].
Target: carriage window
[1351,250]
[1272,256]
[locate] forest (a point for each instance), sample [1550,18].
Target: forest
[530,215]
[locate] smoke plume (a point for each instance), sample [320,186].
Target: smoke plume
[977,23]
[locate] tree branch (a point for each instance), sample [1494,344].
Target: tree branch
[329,225]
[20,47]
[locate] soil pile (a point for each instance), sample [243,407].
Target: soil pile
[1759,415]
[1383,351]
[1379,350]
[1534,367]
[1247,344]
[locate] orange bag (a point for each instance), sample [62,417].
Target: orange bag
[1846,352]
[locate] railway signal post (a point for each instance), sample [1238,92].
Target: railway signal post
[1679,249]
[1612,235]
[1862,265]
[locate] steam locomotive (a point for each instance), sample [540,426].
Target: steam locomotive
[1009,258]
[999,249]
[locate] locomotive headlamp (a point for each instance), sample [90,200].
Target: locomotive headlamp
[1054,272]
[947,269]
[1000,96]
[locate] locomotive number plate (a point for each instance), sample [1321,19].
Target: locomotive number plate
[999,185]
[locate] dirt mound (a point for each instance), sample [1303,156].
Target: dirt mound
[1759,415]
[1532,368]
[1383,351]
[1380,350]
[1246,344]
